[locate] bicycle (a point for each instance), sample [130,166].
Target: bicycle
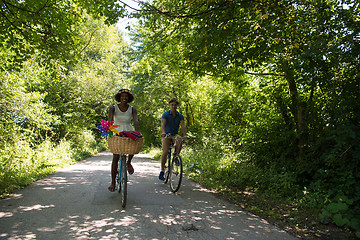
[173,166]
[123,146]
[121,179]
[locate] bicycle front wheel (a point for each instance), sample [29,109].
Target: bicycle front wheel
[176,173]
[123,181]
[167,167]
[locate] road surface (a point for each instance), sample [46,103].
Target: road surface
[74,203]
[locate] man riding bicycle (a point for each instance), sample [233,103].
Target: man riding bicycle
[170,122]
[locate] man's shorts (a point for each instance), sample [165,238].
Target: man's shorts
[165,142]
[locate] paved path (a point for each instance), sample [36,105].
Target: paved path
[74,203]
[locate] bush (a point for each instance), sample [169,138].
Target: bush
[21,163]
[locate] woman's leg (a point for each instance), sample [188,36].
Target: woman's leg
[130,157]
[114,167]
[129,166]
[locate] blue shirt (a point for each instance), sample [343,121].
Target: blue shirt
[172,123]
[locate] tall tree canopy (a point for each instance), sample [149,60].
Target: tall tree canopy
[310,45]
[48,26]
[310,48]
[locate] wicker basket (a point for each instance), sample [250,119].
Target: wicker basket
[124,145]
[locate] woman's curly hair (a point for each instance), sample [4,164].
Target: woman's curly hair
[118,95]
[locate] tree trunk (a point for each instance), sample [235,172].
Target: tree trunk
[189,115]
[297,110]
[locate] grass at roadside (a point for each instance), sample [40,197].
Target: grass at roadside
[23,164]
[298,221]
[288,215]
[155,153]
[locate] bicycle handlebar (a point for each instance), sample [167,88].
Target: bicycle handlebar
[174,137]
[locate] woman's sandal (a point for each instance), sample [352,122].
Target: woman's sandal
[111,188]
[130,169]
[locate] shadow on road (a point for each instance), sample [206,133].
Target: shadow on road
[74,203]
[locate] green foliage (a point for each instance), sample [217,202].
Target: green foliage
[273,93]
[48,27]
[342,212]
[50,109]
[269,91]
[21,164]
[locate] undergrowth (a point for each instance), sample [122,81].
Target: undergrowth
[306,212]
[22,163]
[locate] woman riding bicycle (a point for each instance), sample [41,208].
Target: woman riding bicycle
[122,114]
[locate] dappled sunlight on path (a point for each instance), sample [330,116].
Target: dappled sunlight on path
[74,203]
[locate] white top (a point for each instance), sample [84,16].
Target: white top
[123,119]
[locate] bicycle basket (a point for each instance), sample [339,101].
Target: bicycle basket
[124,145]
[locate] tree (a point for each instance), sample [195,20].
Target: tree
[297,60]
[48,26]
[305,44]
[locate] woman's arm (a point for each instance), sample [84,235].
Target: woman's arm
[135,119]
[111,113]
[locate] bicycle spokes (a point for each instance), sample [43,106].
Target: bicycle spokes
[176,172]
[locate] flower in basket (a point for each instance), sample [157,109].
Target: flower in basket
[113,128]
[108,128]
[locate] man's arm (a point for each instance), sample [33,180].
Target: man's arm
[183,128]
[163,124]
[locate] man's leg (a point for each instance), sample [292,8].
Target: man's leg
[165,142]
[179,142]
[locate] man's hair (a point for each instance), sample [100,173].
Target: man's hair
[174,100]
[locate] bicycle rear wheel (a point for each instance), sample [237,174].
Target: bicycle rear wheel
[176,173]
[123,181]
